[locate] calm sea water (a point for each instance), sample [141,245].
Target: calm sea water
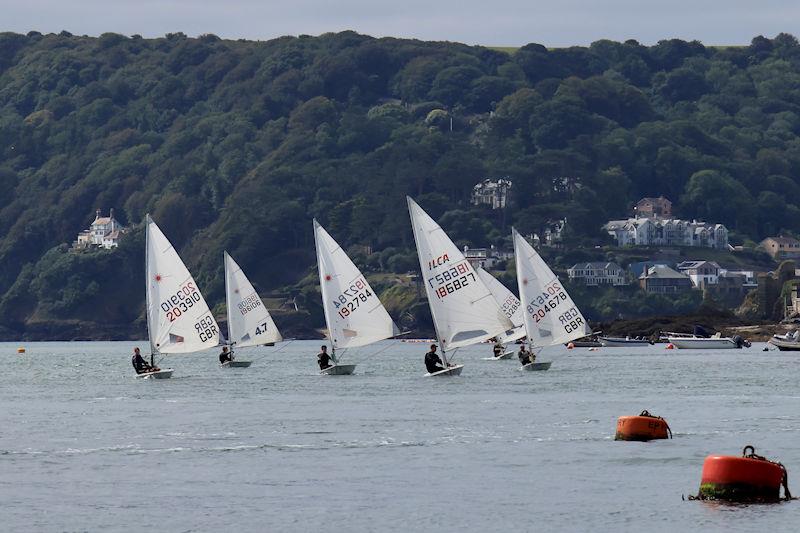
[86,447]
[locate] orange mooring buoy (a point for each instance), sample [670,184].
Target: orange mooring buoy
[20,350]
[642,428]
[749,478]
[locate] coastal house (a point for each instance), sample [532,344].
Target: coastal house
[781,247]
[653,208]
[595,274]
[493,193]
[487,258]
[103,232]
[702,273]
[662,279]
[658,231]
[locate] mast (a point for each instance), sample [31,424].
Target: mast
[322,295]
[146,286]
[225,257]
[439,339]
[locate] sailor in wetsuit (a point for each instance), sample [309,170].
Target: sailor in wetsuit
[498,348]
[140,365]
[525,356]
[432,361]
[225,356]
[323,358]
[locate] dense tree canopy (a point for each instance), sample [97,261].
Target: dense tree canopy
[237,145]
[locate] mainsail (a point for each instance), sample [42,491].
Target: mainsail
[551,317]
[249,322]
[510,305]
[178,317]
[354,314]
[464,310]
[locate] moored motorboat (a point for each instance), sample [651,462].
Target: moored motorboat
[616,342]
[708,343]
[788,342]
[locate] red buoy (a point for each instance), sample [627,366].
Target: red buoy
[669,346]
[749,478]
[642,428]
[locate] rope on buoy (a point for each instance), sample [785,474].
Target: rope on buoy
[784,480]
[647,414]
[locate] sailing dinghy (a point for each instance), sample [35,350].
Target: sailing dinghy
[178,318]
[353,313]
[249,322]
[512,308]
[551,317]
[463,309]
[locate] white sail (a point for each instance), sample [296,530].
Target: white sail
[354,314]
[178,317]
[464,311]
[551,317]
[249,322]
[510,305]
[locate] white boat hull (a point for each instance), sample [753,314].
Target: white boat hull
[164,373]
[339,370]
[236,364]
[454,370]
[506,355]
[610,342]
[698,343]
[784,344]
[532,367]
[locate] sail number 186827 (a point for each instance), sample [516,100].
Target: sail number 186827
[452,279]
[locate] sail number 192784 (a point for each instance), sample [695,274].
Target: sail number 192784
[352,297]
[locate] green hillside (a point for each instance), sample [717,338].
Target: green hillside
[237,145]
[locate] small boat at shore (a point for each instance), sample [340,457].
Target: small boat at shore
[716,342]
[789,342]
[617,342]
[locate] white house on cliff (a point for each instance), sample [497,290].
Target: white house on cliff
[104,232]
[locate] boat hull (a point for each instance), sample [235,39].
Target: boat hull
[507,355]
[533,367]
[612,342]
[236,364]
[585,344]
[338,370]
[689,343]
[784,345]
[454,370]
[165,373]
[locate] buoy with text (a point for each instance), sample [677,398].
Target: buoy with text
[642,428]
[750,478]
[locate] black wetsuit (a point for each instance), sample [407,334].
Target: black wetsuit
[524,358]
[498,350]
[433,363]
[224,357]
[139,364]
[324,360]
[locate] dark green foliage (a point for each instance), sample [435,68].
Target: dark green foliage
[237,145]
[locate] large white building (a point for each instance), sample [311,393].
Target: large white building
[493,193]
[104,232]
[595,274]
[667,232]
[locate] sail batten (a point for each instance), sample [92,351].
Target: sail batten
[463,309]
[178,317]
[353,313]
[550,315]
[249,321]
